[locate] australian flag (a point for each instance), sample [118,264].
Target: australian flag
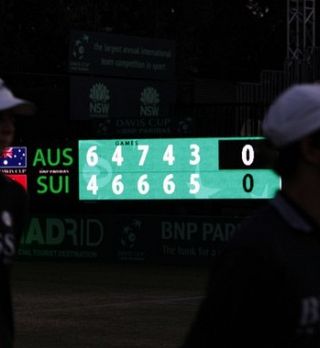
[14,157]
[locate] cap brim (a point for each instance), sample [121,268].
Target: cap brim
[20,107]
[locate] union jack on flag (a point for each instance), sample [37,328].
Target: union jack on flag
[14,157]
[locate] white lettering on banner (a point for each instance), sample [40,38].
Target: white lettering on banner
[158,122]
[310,311]
[109,62]
[7,247]
[130,122]
[222,232]
[132,255]
[309,315]
[135,64]
[168,250]
[186,230]
[178,230]
[149,110]
[177,250]
[80,66]
[126,142]
[54,231]
[99,108]
[186,251]
[112,49]
[131,50]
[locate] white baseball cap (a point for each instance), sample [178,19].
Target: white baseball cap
[10,102]
[294,114]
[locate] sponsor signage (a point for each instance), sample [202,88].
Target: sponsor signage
[122,56]
[127,238]
[118,100]
[71,237]
[171,239]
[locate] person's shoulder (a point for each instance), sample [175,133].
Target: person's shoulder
[261,227]
[262,217]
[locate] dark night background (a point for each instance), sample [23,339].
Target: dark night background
[214,39]
[217,43]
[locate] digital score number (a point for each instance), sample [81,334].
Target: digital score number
[180,168]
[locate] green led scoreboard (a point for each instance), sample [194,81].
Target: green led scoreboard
[175,168]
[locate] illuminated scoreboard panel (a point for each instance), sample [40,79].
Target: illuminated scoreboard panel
[180,168]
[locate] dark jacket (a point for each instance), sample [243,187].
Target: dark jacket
[264,289]
[13,217]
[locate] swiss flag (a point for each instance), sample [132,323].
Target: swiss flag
[19,178]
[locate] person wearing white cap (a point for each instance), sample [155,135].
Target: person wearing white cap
[13,211]
[264,288]
[10,106]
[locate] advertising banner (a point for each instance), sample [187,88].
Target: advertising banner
[122,56]
[172,239]
[128,238]
[106,98]
[66,237]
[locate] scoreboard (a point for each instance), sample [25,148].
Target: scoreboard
[200,168]
[175,168]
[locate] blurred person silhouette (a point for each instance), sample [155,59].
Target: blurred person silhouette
[14,205]
[264,288]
